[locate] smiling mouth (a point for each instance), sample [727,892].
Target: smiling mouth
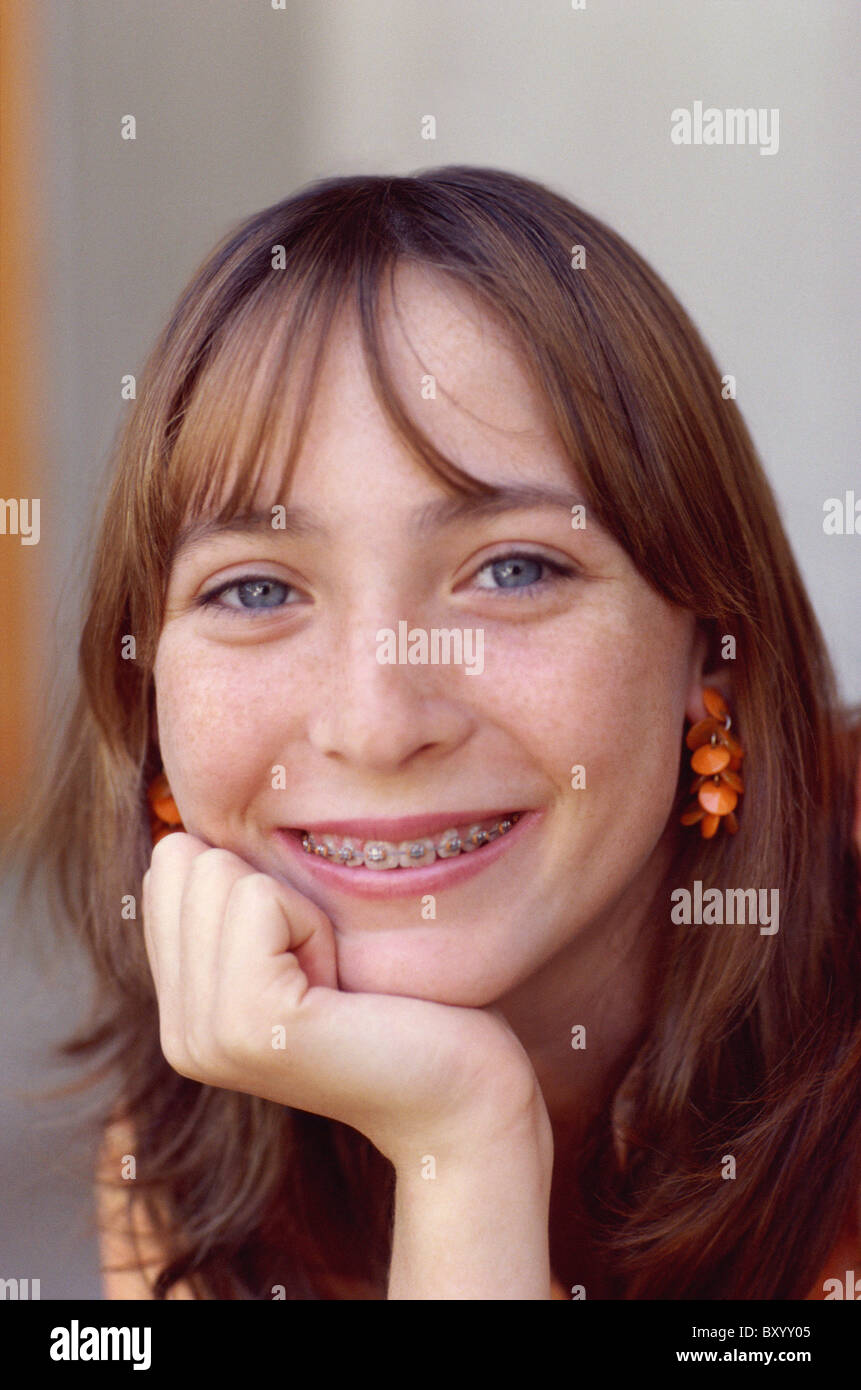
[351,852]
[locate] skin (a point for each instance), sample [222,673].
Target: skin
[450,1036]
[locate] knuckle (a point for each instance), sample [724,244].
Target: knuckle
[173,1050]
[169,850]
[214,858]
[230,1035]
[317,918]
[253,888]
[212,865]
[195,1053]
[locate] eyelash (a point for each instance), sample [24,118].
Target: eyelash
[560,573]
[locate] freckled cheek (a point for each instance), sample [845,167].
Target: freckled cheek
[604,695]
[214,726]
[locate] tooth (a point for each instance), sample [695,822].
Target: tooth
[476,835]
[449,844]
[381,854]
[347,851]
[414,853]
[343,850]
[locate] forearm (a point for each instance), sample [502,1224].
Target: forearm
[477,1228]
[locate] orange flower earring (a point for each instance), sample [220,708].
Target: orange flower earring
[163,814]
[716,759]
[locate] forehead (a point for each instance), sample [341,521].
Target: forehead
[458,374]
[434,324]
[454,365]
[456,370]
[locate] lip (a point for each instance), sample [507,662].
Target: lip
[404,883]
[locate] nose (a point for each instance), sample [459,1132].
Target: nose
[381,716]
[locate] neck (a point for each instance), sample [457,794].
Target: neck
[599,983]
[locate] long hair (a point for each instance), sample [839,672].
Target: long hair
[753,1046]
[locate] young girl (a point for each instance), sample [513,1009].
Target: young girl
[500,935]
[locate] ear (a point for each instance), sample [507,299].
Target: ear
[702,672]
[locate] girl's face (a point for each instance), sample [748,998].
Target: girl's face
[278,713]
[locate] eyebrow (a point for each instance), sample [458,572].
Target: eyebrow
[301,522]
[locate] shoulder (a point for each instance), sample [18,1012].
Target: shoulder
[130,1254]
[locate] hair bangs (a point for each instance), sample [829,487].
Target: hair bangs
[247,412]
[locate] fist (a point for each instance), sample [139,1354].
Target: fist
[246,976]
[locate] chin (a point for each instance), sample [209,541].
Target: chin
[423,967]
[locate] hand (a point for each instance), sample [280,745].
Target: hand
[245,971]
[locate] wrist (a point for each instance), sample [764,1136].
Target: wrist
[472,1213]
[491,1135]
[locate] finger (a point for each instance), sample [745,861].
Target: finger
[340,1060]
[312,936]
[149,944]
[265,919]
[165,879]
[209,880]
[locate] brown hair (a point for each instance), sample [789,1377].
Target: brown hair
[754,1047]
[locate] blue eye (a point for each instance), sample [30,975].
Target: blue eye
[254,594]
[515,574]
[522,574]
